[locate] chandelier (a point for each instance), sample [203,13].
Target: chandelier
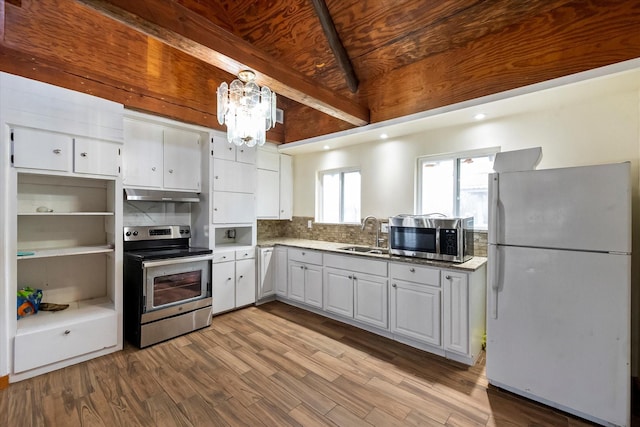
[248,110]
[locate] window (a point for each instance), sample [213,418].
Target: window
[455,185]
[338,196]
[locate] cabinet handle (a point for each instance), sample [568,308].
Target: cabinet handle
[350,277]
[57,151]
[447,277]
[303,253]
[230,148]
[413,270]
[83,154]
[242,151]
[215,209]
[67,332]
[241,277]
[228,278]
[302,267]
[354,277]
[215,177]
[153,168]
[170,170]
[394,285]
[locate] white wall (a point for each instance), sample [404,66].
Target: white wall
[588,129]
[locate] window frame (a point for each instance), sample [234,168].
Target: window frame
[456,157]
[319,193]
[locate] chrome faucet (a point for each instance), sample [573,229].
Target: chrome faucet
[377,224]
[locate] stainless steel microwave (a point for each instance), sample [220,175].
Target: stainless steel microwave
[424,236]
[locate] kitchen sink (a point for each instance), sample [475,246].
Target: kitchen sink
[365,250]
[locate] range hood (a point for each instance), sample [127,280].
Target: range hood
[160,195]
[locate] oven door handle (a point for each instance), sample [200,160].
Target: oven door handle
[173,261]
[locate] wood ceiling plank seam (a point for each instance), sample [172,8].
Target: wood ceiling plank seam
[191,33]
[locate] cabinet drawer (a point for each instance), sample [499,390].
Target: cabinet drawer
[224,256]
[96,157]
[43,347]
[245,254]
[304,255]
[39,149]
[415,273]
[357,264]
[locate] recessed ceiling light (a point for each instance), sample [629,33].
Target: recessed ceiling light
[384,136]
[480,116]
[326,147]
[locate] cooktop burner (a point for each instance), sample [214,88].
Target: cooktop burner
[149,254]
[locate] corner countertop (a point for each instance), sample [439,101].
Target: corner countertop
[472,265]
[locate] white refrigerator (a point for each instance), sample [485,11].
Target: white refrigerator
[559,280]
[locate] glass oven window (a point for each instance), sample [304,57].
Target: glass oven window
[176,287]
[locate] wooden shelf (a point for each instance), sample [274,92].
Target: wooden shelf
[57,252]
[78,311]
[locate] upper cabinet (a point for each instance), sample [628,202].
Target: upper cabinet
[274,193]
[160,155]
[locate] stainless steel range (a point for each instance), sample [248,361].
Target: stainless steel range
[167,284]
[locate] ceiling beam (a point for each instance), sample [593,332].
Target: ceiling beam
[335,43]
[193,34]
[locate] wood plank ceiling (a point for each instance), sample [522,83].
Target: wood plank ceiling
[407,55]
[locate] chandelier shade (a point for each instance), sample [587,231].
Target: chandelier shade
[248,110]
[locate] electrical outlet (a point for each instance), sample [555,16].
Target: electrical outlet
[309,224]
[384,227]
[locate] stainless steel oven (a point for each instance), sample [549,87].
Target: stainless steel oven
[167,284]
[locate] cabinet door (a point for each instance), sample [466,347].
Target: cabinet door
[280,271]
[233,208]
[313,285]
[37,149]
[233,176]
[96,157]
[182,159]
[296,281]
[338,291]
[224,286]
[371,300]
[267,273]
[286,187]
[142,162]
[222,149]
[456,312]
[246,154]
[245,282]
[415,312]
[268,158]
[267,197]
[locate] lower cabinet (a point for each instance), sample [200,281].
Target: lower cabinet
[438,310]
[415,303]
[234,279]
[351,290]
[305,277]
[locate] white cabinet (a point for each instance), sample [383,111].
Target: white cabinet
[456,311]
[73,253]
[280,255]
[338,291]
[356,287]
[160,155]
[415,303]
[274,193]
[182,157]
[266,273]
[305,277]
[233,179]
[234,279]
[286,187]
[57,152]
[61,199]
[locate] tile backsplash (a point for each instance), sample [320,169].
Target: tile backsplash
[340,233]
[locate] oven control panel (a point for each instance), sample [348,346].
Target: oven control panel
[156,232]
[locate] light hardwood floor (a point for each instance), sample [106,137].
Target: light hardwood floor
[272,365]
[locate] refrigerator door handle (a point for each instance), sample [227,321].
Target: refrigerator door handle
[494,200]
[494,280]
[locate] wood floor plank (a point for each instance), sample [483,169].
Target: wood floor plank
[379,418]
[200,412]
[283,364]
[310,418]
[164,412]
[342,397]
[272,415]
[229,360]
[312,398]
[212,391]
[271,391]
[343,417]
[312,366]
[235,414]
